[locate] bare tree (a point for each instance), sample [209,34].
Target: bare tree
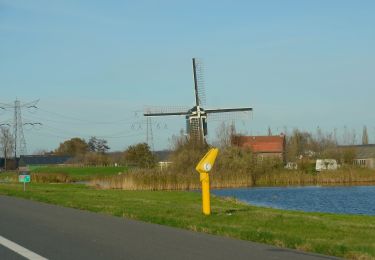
[269,131]
[346,136]
[353,137]
[224,134]
[6,144]
[364,135]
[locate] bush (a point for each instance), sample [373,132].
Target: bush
[140,155]
[186,155]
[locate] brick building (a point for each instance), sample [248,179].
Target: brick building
[264,146]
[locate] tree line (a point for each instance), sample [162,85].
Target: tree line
[303,144]
[95,152]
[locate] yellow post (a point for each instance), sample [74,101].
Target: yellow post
[205,179]
[204,167]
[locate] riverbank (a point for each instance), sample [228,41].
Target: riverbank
[346,236]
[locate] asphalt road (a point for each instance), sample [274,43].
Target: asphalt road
[55,232]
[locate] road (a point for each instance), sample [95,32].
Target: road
[55,232]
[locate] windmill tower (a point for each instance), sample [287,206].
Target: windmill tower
[196,117]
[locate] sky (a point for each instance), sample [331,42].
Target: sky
[94,66]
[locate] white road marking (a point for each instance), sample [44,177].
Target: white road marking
[20,250]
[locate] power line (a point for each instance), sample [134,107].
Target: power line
[85,121]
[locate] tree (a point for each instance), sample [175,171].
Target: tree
[6,143]
[91,158]
[297,144]
[140,155]
[186,152]
[364,135]
[92,144]
[323,142]
[348,155]
[73,147]
[224,134]
[353,137]
[97,145]
[269,131]
[102,146]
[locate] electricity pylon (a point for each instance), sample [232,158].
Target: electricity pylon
[17,124]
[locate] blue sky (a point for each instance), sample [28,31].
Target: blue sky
[94,64]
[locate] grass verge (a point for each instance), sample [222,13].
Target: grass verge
[348,236]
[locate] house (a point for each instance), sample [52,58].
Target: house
[364,155]
[263,146]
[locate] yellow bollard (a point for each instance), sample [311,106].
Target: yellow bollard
[204,167]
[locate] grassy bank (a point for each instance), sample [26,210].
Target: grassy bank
[347,236]
[65,174]
[81,173]
[165,180]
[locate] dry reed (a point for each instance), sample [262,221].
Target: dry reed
[50,178]
[147,179]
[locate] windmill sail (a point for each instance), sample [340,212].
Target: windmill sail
[165,111]
[199,82]
[229,114]
[229,110]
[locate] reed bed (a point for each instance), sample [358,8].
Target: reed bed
[50,178]
[148,179]
[37,178]
[347,176]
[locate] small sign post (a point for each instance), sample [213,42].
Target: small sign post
[24,177]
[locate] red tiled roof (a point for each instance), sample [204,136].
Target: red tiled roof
[261,144]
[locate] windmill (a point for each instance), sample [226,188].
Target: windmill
[196,117]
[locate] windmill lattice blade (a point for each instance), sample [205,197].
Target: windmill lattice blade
[165,111]
[229,115]
[229,110]
[201,84]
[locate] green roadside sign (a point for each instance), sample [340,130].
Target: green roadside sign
[24,178]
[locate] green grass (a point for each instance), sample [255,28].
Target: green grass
[347,236]
[81,173]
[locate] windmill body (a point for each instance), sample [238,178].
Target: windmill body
[196,117]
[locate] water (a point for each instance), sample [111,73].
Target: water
[342,199]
